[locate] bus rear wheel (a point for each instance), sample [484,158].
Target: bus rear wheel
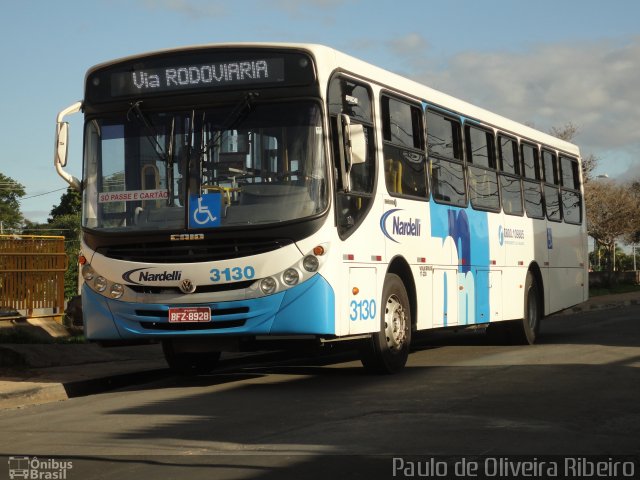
[387,350]
[526,331]
[183,359]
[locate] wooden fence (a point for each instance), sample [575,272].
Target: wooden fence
[32,273]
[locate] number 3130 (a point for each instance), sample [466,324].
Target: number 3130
[232,274]
[362,310]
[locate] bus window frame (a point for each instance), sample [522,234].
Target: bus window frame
[516,175]
[492,163]
[516,152]
[575,188]
[532,181]
[547,186]
[452,160]
[421,150]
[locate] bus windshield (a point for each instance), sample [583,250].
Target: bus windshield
[204,169]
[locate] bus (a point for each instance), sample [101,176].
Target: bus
[242,197]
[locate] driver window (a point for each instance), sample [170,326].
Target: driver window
[353,99]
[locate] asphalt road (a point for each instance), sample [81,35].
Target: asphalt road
[575,393]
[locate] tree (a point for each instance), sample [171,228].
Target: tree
[65,217]
[70,204]
[69,226]
[634,235]
[567,133]
[613,211]
[10,193]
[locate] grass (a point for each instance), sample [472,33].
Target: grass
[622,288]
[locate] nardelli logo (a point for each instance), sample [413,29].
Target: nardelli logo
[145,276]
[400,226]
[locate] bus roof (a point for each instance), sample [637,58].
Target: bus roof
[338,60]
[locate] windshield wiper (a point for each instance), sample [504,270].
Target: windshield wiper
[152,137]
[237,115]
[150,133]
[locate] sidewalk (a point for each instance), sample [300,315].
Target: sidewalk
[39,373]
[32,374]
[604,302]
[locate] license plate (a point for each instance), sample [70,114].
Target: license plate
[189,314]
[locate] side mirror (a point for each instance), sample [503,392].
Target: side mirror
[62,142]
[358,145]
[354,146]
[61,148]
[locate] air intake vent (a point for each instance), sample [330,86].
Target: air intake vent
[191,252]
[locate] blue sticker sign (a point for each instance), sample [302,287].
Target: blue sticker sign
[549,239]
[204,210]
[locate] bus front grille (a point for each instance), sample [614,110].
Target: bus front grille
[181,327]
[191,252]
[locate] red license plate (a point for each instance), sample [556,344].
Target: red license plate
[189,314]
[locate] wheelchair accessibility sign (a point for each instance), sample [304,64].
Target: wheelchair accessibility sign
[204,210]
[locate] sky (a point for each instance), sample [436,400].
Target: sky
[545,63]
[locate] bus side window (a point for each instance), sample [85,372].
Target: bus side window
[444,148]
[404,159]
[531,181]
[483,177]
[551,187]
[511,186]
[571,198]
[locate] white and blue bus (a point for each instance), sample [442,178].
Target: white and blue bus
[243,196]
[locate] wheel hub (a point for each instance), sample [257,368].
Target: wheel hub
[395,323]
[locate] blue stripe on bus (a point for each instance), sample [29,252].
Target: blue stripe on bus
[469,230]
[307,309]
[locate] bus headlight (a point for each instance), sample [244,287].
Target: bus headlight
[291,276]
[311,263]
[117,290]
[88,272]
[268,285]
[299,271]
[100,283]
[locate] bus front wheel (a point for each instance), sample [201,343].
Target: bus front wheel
[388,349]
[185,361]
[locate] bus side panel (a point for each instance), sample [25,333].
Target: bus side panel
[460,300]
[566,262]
[541,257]
[517,238]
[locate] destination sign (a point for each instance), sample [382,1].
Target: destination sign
[197,70]
[198,76]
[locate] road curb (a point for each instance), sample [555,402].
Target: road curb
[600,306]
[26,391]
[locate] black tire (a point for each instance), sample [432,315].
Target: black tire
[74,312]
[527,330]
[387,350]
[188,363]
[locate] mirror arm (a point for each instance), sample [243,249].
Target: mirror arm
[61,147]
